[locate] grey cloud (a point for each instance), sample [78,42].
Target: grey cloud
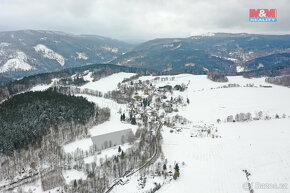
[141,19]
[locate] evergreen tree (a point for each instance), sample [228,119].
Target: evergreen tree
[176,172]
[133,121]
[122,155]
[123,118]
[164,167]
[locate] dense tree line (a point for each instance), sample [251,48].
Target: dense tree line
[279,80]
[77,81]
[277,71]
[26,117]
[217,77]
[241,117]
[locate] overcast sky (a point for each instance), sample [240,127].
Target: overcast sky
[139,20]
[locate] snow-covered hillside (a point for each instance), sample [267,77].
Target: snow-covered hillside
[108,83]
[50,54]
[48,51]
[17,63]
[82,55]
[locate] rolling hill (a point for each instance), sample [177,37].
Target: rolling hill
[29,52]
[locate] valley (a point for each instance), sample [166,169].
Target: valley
[126,96]
[213,132]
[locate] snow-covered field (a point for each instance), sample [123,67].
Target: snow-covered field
[108,153]
[261,147]
[82,144]
[70,175]
[114,124]
[215,165]
[108,83]
[43,87]
[211,104]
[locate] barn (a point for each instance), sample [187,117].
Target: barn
[112,139]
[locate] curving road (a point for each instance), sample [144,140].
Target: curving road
[148,162]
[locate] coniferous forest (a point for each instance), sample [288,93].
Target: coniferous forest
[26,118]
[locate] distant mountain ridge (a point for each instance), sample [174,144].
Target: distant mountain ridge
[28,52]
[222,52]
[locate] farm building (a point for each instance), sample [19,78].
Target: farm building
[112,139]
